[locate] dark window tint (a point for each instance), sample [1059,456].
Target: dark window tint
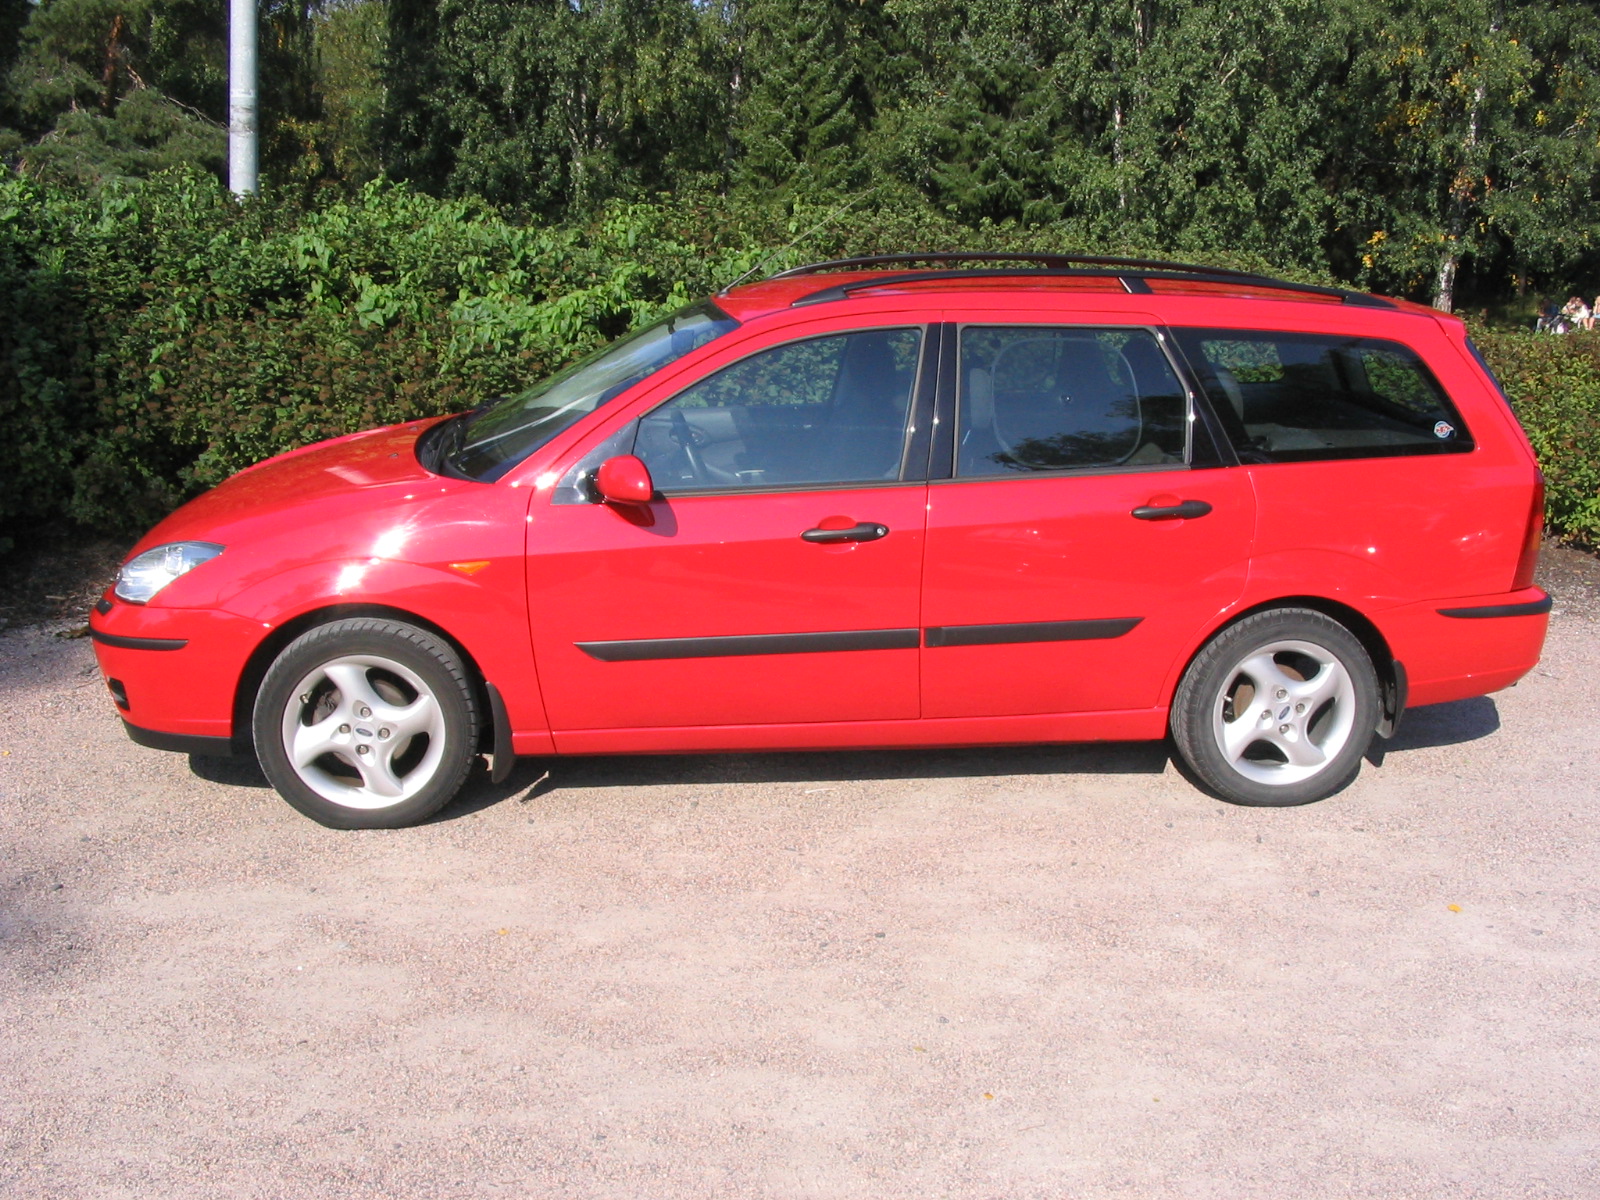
[1499,388]
[1037,398]
[1289,397]
[826,410]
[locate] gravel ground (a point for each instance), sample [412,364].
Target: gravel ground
[1049,972]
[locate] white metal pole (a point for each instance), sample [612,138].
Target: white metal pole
[242,154]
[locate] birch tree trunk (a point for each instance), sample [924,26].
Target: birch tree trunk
[1468,176]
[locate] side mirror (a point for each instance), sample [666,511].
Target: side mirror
[624,480]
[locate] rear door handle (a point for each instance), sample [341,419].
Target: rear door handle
[866,531]
[1179,510]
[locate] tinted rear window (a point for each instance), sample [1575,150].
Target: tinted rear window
[1292,397]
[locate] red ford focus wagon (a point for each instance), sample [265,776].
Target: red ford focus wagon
[902,501]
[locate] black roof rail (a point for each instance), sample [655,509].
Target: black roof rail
[1133,273]
[1044,260]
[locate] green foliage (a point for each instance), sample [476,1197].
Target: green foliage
[1554,386]
[350,43]
[1397,143]
[102,90]
[808,90]
[46,385]
[1478,121]
[555,106]
[159,336]
[142,136]
[156,337]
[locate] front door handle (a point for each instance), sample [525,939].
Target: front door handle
[866,531]
[1170,508]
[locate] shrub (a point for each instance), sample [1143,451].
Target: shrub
[157,336]
[1554,386]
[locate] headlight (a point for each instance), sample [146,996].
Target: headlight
[144,576]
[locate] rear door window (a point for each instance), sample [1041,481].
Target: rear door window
[1047,398]
[1293,397]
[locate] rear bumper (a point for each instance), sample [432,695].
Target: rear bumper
[1468,645]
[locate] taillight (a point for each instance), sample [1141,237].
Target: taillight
[1529,559]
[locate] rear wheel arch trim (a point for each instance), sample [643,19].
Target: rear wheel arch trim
[1391,673]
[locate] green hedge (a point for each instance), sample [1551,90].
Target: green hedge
[158,337]
[1554,386]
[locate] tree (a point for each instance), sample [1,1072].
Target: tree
[108,89]
[350,40]
[1480,124]
[808,90]
[550,104]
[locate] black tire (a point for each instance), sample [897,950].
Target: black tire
[366,723]
[1306,686]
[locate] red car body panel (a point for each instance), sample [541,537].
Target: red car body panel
[521,584]
[1045,548]
[355,524]
[725,566]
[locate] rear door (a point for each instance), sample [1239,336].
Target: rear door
[1087,530]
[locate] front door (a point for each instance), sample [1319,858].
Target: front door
[773,580]
[1080,546]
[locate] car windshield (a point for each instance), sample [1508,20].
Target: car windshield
[495,440]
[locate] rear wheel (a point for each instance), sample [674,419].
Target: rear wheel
[1277,709]
[366,724]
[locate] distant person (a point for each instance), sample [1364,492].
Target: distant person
[1594,315]
[1549,318]
[1575,312]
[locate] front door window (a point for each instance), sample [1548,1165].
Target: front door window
[824,411]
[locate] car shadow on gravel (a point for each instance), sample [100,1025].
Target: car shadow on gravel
[1435,725]
[535,776]
[235,772]
[1440,725]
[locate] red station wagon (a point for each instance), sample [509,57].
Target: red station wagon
[902,501]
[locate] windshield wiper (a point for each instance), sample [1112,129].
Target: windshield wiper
[444,441]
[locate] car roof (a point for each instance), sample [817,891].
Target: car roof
[1040,274]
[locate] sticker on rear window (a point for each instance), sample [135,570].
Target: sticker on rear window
[1443,429]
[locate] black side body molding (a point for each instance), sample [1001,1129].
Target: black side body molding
[1532,608]
[137,643]
[1030,631]
[761,643]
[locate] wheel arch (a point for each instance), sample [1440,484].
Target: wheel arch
[1390,671]
[262,657]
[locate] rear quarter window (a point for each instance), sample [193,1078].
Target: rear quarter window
[1294,397]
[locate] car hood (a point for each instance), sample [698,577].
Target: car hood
[312,486]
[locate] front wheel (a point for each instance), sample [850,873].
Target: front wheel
[1277,709]
[366,724]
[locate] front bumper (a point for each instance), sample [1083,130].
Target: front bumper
[174,672]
